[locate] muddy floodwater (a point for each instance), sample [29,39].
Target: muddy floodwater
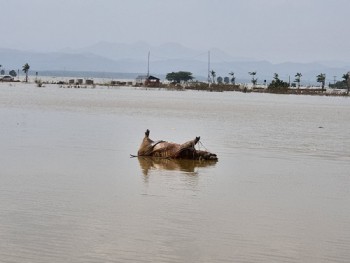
[69,191]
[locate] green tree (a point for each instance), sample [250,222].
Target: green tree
[226,80]
[13,73]
[346,78]
[254,80]
[25,69]
[219,80]
[233,78]
[213,75]
[321,78]
[338,85]
[180,76]
[277,85]
[298,79]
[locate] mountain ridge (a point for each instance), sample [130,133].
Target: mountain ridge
[168,57]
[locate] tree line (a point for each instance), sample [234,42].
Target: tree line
[276,83]
[186,76]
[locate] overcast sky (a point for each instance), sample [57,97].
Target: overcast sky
[274,30]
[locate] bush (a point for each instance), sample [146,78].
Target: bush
[278,86]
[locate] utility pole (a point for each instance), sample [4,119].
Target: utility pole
[209,68]
[289,81]
[149,53]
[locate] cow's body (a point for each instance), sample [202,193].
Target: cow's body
[173,150]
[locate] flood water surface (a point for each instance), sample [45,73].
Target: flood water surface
[70,192]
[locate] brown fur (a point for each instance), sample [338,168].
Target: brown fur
[173,150]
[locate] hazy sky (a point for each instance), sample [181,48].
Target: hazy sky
[275,30]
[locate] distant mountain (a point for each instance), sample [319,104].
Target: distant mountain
[114,51]
[14,59]
[132,58]
[139,51]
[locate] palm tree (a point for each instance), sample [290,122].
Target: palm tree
[233,78]
[346,78]
[25,69]
[321,78]
[213,75]
[254,80]
[298,78]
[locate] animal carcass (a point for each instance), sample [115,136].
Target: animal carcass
[173,150]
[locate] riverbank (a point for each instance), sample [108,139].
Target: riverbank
[261,89]
[199,86]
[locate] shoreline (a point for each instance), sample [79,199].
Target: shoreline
[198,86]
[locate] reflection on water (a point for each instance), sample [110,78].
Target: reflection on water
[188,166]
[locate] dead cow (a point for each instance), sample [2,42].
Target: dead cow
[173,150]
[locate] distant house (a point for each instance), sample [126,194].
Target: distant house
[140,80]
[148,81]
[89,82]
[152,81]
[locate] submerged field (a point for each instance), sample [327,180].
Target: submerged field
[70,193]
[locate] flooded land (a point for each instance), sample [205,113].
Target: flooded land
[70,192]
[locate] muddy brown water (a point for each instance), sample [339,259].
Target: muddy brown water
[69,191]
